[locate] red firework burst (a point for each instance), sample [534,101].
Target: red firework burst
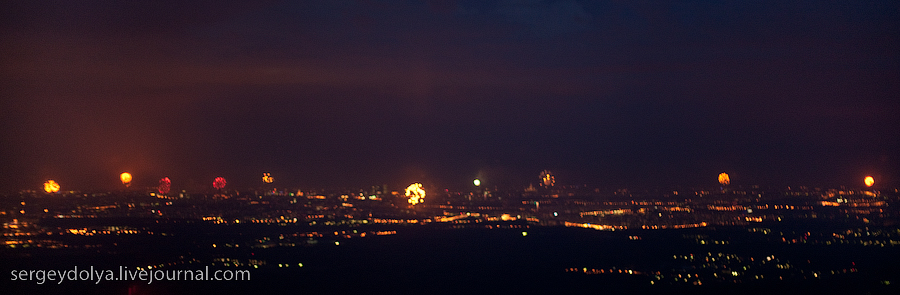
[219,183]
[164,185]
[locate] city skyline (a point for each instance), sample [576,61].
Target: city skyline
[550,238]
[328,94]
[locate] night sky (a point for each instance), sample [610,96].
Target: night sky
[357,93]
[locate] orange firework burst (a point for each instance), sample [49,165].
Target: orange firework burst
[724,179]
[51,186]
[547,178]
[869,181]
[415,193]
[126,178]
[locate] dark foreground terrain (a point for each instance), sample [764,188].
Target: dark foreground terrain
[426,259]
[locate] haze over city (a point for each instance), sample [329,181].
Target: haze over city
[344,93]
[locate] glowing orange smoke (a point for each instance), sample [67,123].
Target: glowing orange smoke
[415,193]
[51,186]
[723,178]
[870,181]
[267,178]
[126,178]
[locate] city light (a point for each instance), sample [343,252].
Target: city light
[477,182]
[724,179]
[126,178]
[267,178]
[415,193]
[51,186]
[870,181]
